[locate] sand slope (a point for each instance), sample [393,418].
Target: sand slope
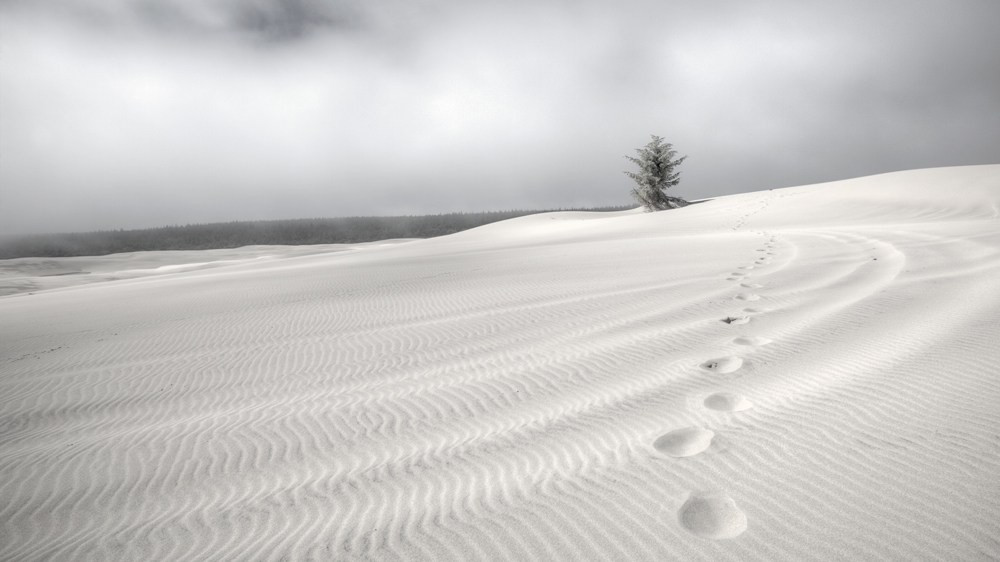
[553,387]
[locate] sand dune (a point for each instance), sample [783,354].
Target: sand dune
[808,373]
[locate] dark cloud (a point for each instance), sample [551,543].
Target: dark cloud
[253,20]
[137,113]
[288,19]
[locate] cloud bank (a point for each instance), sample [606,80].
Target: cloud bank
[123,114]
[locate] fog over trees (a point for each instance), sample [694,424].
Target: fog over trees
[342,230]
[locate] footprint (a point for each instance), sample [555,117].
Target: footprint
[736,320]
[723,364]
[685,442]
[752,340]
[727,402]
[745,267]
[747,297]
[754,310]
[712,515]
[751,285]
[733,279]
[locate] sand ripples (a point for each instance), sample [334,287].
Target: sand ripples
[484,397]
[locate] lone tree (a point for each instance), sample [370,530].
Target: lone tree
[656,173]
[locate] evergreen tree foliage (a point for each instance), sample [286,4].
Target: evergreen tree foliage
[656,173]
[342,230]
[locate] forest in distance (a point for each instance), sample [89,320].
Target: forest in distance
[291,232]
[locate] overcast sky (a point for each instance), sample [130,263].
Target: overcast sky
[137,113]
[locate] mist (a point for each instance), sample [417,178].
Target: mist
[129,114]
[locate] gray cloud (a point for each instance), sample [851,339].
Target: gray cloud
[275,20]
[126,114]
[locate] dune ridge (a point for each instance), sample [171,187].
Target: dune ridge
[503,393]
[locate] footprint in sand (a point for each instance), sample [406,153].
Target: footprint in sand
[723,364]
[736,320]
[745,267]
[727,402]
[751,285]
[685,442]
[747,297]
[752,340]
[712,515]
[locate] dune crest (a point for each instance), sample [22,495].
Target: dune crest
[515,391]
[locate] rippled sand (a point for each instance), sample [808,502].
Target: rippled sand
[499,394]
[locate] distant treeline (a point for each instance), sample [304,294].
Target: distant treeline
[343,230]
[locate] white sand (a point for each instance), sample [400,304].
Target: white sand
[497,394]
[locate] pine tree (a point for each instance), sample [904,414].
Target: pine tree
[656,174]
